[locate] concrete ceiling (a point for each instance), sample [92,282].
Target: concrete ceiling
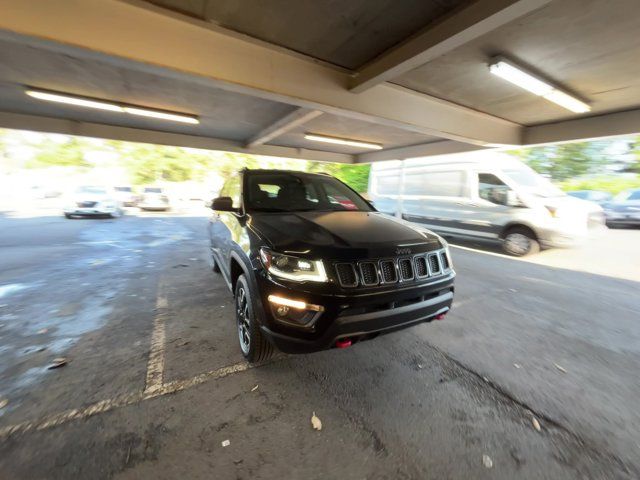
[410,75]
[591,47]
[344,33]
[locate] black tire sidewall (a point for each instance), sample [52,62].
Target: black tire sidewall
[533,243]
[254,332]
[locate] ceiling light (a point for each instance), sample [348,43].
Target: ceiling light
[81,102]
[534,84]
[144,112]
[111,106]
[342,141]
[567,101]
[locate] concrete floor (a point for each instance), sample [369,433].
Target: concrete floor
[131,303]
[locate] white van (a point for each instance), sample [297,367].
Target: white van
[486,194]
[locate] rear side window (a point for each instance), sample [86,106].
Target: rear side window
[436,184]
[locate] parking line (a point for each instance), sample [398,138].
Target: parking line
[155,365]
[119,401]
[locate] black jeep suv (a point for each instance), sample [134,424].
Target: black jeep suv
[313,265]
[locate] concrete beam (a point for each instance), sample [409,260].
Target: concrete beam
[607,125]
[415,151]
[286,123]
[158,40]
[467,24]
[97,130]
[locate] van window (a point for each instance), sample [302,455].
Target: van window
[491,188]
[438,184]
[388,185]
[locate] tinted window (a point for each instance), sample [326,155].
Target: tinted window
[437,184]
[491,188]
[635,195]
[289,192]
[123,189]
[231,188]
[152,190]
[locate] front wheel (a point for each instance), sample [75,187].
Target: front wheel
[520,241]
[254,346]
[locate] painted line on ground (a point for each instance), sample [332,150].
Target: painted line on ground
[155,365]
[499,255]
[119,401]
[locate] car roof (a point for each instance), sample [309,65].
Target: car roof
[277,171]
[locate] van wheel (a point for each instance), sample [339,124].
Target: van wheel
[254,346]
[520,241]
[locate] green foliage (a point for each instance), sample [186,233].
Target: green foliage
[567,160]
[69,153]
[356,176]
[606,183]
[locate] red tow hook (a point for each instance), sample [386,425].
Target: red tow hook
[440,316]
[343,343]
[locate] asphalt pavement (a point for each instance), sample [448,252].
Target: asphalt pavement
[154,384]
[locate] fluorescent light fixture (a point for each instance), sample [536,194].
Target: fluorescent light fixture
[532,83]
[71,100]
[111,106]
[176,117]
[567,101]
[342,141]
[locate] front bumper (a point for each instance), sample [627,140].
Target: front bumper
[88,211]
[355,316]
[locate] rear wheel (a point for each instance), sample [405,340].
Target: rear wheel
[520,241]
[254,346]
[68,215]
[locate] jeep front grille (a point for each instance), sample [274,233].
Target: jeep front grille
[369,273]
[347,274]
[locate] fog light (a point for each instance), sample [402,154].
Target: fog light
[282,310]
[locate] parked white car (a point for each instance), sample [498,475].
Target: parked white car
[95,201]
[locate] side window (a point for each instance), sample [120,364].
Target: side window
[492,189]
[436,184]
[231,188]
[634,195]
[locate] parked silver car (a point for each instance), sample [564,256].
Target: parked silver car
[624,209]
[486,195]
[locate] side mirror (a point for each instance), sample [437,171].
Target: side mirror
[512,199]
[223,204]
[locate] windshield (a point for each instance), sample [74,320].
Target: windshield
[288,192]
[152,190]
[123,189]
[627,195]
[91,190]
[532,182]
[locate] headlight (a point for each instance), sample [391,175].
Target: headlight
[293,268]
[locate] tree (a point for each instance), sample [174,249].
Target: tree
[567,160]
[69,153]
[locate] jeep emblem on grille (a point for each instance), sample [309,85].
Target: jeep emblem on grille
[403,251]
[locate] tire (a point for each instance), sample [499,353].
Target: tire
[68,215]
[115,214]
[520,241]
[254,346]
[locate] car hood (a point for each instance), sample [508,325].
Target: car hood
[91,197]
[338,235]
